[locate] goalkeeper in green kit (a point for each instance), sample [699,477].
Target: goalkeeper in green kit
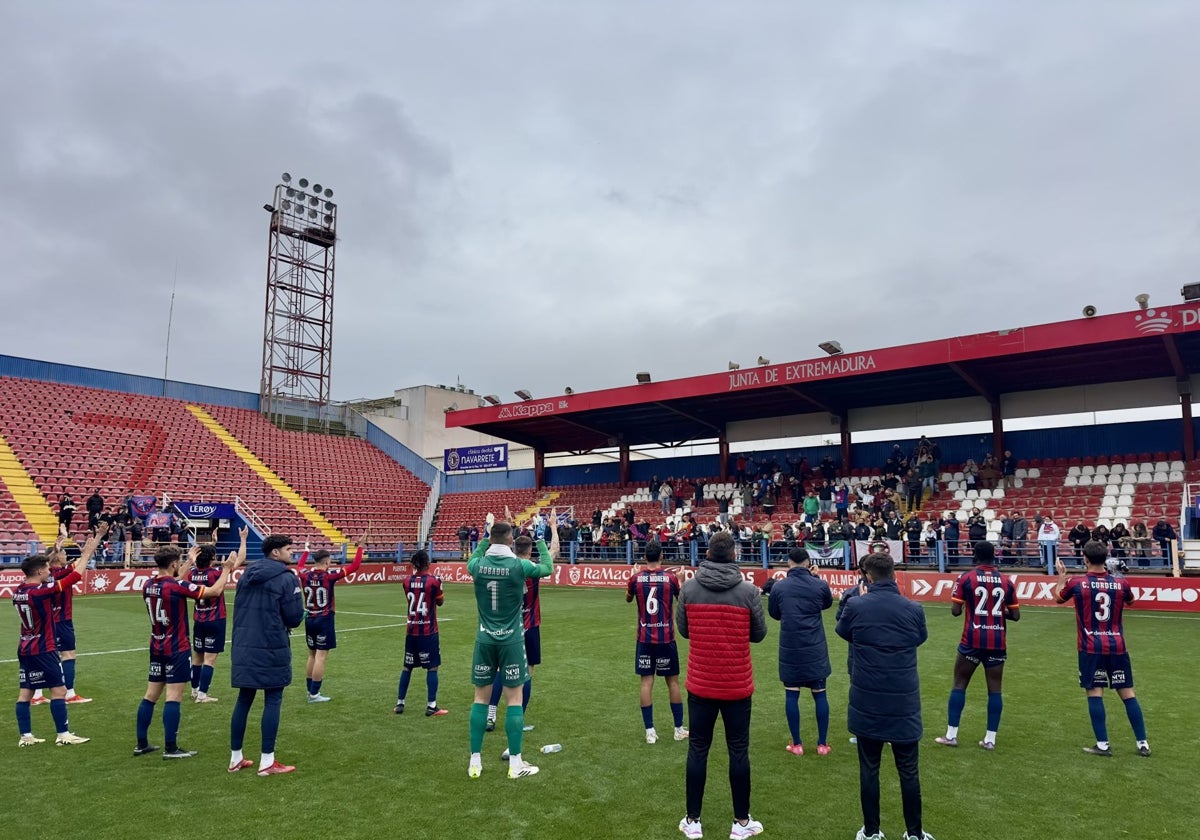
[500,643]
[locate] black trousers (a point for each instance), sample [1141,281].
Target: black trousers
[870,753]
[702,718]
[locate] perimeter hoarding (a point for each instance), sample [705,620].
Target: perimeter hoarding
[465,458]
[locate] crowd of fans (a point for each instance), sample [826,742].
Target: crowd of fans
[129,533]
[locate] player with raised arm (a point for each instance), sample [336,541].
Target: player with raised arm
[64,624]
[424,595]
[990,602]
[208,620]
[170,649]
[499,581]
[319,631]
[655,590]
[37,653]
[1100,601]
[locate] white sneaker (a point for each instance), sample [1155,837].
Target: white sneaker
[681,733]
[504,755]
[29,741]
[925,835]
[475,768]
[691,830]
[862,835]
[741,832]
[195,691]
[524,769]
[67,739]
[318,698]
[205,698]
[651,736]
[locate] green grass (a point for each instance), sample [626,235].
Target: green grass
[365,772]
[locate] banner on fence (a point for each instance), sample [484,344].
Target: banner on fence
[830,555]
[465,458]
[893,547]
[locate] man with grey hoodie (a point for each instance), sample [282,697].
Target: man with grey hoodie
[721,615]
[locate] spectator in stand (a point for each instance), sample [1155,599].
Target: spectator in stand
[682,491]
[739,468]
[1008,469]
[1120,540]
[666,495]
[1006,532]
[892,464]
[66,511]
[464,542]
[474,537]
[116,533]
[812,507]
[1101,535]
[768,503]
[970,472]
[1048,534]
[133,542]
[895,528]
[841,500]
[698,493]
[950,534]
[1164,534]
[914,488]
[862,528]
[929,537]
[1020,533]
[927,471]
[912,532]
[976,529]
[1079,535]
[723,508]
[748,499]
[1139,540]
[95,507]
[817,532]
[655,484]
[989,473]
[825,496]
[838,530]
[828,468]
[879,531]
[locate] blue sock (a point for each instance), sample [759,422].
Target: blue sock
[1096,712]
[1133,710]
[648,716]
[791,707]
[316,687]
[241,713]
[145,715]
[431,686]
[526,690]
[497,690]
[24,721]
[171,723]
[995,707]
[308,682]
[405,678]
[677,713]
[58,711]
[821,700]
[206,675]
[958,700]
[196,676]
[68,668]
[272,702]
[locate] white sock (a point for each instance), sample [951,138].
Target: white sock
[26,734]
[432,704]
[951,732]
[492,712]
[989,737]
[476,758]
[1102,745]
[37,695]
[1143,743]
[235,758]
[70,693]
[515,760]
[266,761]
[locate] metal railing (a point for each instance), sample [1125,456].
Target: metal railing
[250,517]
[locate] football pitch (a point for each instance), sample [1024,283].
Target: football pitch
[363,771]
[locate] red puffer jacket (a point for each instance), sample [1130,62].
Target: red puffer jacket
[720,615]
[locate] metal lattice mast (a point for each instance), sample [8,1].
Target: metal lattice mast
[298,318]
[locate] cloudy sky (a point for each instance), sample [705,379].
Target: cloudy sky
[541,194]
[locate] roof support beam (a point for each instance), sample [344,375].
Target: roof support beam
[691,417]
[1172,349]
[975,384]
[810,400]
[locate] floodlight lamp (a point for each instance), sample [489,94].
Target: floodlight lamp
[303,182]
[833,348]
[328,193]
[568,390]
[328,205]
[291,193]
[287,205]
[523,394]
[1191,291]
[1143,300]
[286,177]
[268,208]
[643,377]
[734,366]
[328,219]
[312,199]
[492,399]
[763,360]
[312,214]
[316,189]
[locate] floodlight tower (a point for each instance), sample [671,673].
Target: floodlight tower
[298,322]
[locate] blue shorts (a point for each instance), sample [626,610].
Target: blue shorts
[40,671]
[422,652]
[812,685]
[208,636]
[319,632]
[533,646]
[980,656]
[1105,670]
[656,659]
[174,668]
[64,635]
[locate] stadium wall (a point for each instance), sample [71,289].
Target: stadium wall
[125,382]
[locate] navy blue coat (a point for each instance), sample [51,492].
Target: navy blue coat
[268,604]
[796,603]
[884,630]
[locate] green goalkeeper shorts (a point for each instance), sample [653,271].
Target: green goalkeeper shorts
[507,660]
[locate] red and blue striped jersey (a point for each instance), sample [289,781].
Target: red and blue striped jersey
[424,594]
[35,608]
[986,595]
[208,609]
[63,600]
[531,609]
[655,591]
[1100,601]
[166,600]
[318,585]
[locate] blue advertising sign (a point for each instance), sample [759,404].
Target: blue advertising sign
[206,510]
[476,457]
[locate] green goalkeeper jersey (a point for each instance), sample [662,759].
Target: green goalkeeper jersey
[500,589]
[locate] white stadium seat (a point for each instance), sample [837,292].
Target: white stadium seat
[1073,471]
[1087,469]
[1125,499]
[1034,473]
[998,493]
[1106,512]
[1071,481]
[1123,512]
[1085,481]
